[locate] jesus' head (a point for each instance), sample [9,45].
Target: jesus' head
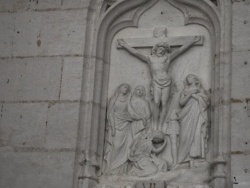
[160,49]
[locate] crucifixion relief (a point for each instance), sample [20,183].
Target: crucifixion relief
[170,127]
[144,134]
[158,62]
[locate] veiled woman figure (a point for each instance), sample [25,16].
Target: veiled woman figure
[119,121]
[139,109]
[127,116]
[194,101]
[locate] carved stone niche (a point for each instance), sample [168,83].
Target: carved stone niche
[156,95]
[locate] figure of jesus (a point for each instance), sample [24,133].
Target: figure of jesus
[158,63]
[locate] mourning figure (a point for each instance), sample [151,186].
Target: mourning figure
[143,154]
[120,130]
[159,63]
[193,120]
[139,109]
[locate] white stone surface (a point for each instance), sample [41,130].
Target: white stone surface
[49,33]
[124,67]
[241,25]
[241,170]
[6,37]
[30,79]
[240,128]
[23,125]
[240,75]
[240,94]
[36,169]
[62,124]
[41,5]
[42,44]
[162,15]
[63,33]
[77,4]
[26,33]
[51,22]
[71,78]
[135,64]
[13,5]
[45,5]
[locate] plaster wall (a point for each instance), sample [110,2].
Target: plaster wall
[41,60]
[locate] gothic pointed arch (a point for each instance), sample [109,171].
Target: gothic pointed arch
[112,18]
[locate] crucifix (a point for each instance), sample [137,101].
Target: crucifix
[158,63]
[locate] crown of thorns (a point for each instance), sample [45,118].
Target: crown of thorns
[164,45]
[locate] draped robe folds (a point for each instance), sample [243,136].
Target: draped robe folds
[139,108]
[144,162]
[193,124]
[122,139]
[124,121]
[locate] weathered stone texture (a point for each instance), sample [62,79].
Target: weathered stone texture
[240,75]
[41,59]
[41,5]
[71,78]
[61,128]
[46,33]
[6,37]
[240,170]
[240,129]
[241,25]
[23,125]
[241,94]
[30,79]
[36,169]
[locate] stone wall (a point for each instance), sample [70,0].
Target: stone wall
[41,57]
[241,94]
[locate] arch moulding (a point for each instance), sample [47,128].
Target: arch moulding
[100,31]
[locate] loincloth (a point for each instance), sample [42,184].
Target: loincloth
[161,83]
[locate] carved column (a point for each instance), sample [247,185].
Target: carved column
[86,163]
[222,163]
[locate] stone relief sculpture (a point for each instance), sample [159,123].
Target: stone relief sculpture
[134,147]
[128,115]
[172,129]
[149,22]
[139,108]
[143,154]
[164,134]
[135,140]
[120,128]
[158,63]
[193,121]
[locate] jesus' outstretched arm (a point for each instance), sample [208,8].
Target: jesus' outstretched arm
[133,51]
[184,47]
